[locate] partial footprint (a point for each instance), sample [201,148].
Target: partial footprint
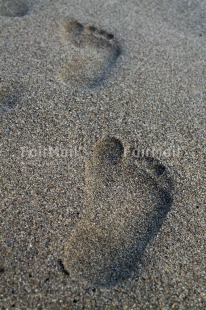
[187,15]
[9,97]
[13,8]
[96,54]
[127,203]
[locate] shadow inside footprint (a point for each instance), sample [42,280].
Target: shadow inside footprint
[125,208]
[96,54]
[9,97]
[12,8]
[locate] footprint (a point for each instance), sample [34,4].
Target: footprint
[187,15]
[127,201]
[2,259]
[9,97]
[13,8]
[96,53]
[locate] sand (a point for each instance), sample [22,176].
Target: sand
[73,73]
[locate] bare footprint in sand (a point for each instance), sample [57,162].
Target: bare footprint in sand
[9,96]
[13,8]
[186,15]
[96,54]
[127,203]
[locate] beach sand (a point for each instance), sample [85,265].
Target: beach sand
[102,154]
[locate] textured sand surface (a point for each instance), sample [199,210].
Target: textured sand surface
[72,73]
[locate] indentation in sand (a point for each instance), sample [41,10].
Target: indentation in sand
[187,15]
[1,266]
[13,8]
[9,97]
[127,201]
[96,53]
